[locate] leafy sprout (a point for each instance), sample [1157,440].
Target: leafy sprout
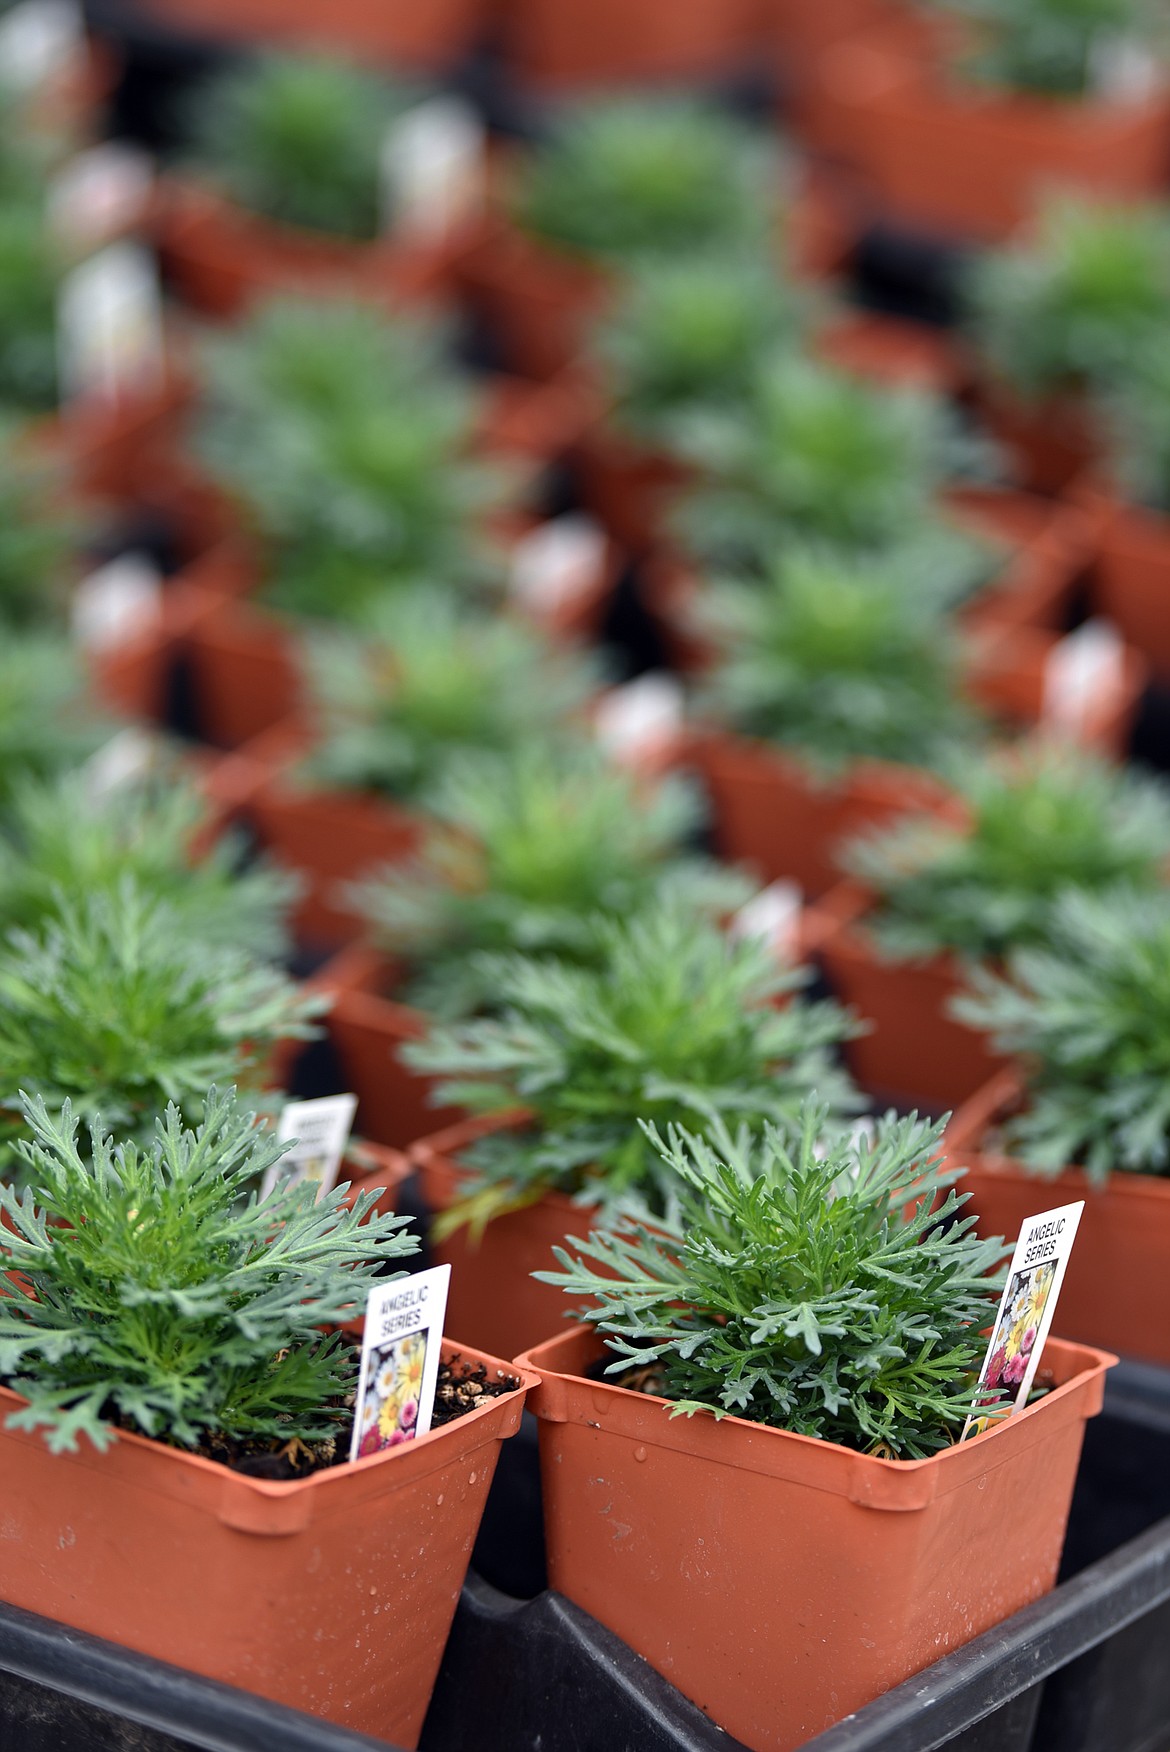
[810,1277]
[1136,418]
[1089,1014]
[1038,824]
[676,1021]
[150,1289]
[529,851]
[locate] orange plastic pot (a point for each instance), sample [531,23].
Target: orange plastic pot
[108,448]
[1006,676]
[538,301]
[940,154]
[771,813]
[629,487]
[131,676]
[246,676]
[782,1582]
[492,1290]
[333,1594]
[222,258]
[1048,545]
[1050,442]
[422,34]
[570,42]
[914,1051]
[1117,1288]
[1132,579]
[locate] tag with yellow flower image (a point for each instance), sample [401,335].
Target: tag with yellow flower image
[400,1361]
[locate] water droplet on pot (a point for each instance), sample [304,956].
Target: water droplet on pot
[639,1453]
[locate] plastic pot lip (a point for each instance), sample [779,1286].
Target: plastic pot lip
[866,1479]
[414,1459]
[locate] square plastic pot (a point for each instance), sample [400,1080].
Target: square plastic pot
[781,1582]
[333,1594]
[415,34]
[1117,1287]
[570,42]
[1132,578]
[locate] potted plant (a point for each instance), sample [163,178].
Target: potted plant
[835,678]
[617,180]
[1021,94]
[526,851]
[286,189]
[682,338]
[967,884]
[822,1293]
[1061,312]
[177,1415]
[675,1019]
[114,1004]
[427,678]
[1083,1110]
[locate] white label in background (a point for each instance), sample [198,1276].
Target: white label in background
[1026,1308]
[125,759]
[556,563]
[1082,670]
[774,916]
[118,601]
[109,325]
[400,1361]
[1123,69]
[640,716]
[101,193]
[432,168]
[321,1130]
[38,39]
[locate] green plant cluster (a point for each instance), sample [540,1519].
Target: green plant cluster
[1088,1014]
[1052,48]
[150,1290]
[298,139]
[676,1022]
[809,1277]
[1039,824]
[529,852]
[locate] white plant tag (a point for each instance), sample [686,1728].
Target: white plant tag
[400,1361]
[557,562]
[640,716]
[1083,668]
[127,757]
[101,193]
[432,168]
[118,601]
[774,916]
[1123,69]
[109,325]
[38,39]
[1026,1307]
[321,1130]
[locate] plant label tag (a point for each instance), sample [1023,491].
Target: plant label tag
[556,563]
[320,1129]
[1025,1311]
[1082,670]
[100,194]
[639,718]
[109,325]
[121,762]
[432,168]
[774,916]
[1123,69]
[38,39]
[400,1361]
[120,600]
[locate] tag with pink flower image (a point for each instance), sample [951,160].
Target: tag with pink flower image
[400,1361]
[1025,1314]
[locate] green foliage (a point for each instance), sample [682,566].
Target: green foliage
[1074,304]
[818,456]
[62,839]
[1039,824]
[676,1022]
[628,176]
[1136,410]
[1090,1013]
[149,1285]
[838,659]
[39,535]
[429,679]
[46,722]
[806,1280]
[28,305]
[348,441]
[114,1006]
[529,850]
[691,335]
[1049,47]
[298,139]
